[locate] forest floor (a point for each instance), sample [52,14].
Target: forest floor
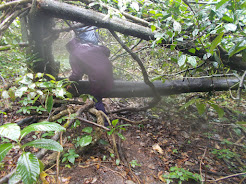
[202,146]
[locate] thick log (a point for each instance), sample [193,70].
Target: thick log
[124,89]
[90,17]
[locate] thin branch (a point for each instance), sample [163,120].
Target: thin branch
[14,3]
[226,177]
[92,3]
[6,23]
[144,72]
[4,82]
[202,163]
[90,122]
[241,86]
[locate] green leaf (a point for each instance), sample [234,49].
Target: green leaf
[4,149]
[153,28]
[10,131]
[51,76]
[152,11]
[201,107]
[230,27]
[20,91]
[28,168]
[156,78]
[39,75]
[192,61]
[87,130]
[237,48]
[181,60]
[215,42]
[219,110]
[188,104]
[117,162]
[86,140]
[49,103]
[241,122]
[45,143]
[42,126]
[192,50]
[5,94]
[71,159]
[14,179]
[121,136]
[219,4]
[60,92]
[177,26]
[115,122]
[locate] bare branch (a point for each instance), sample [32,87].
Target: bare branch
[14,3]
[240,88]
[144,72]
[90,122]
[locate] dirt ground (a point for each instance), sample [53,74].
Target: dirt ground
[167,138]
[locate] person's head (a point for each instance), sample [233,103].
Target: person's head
[88,34]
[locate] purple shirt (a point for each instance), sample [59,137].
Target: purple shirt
[91,60]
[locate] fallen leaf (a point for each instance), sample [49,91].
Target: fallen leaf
[157,148]
[160,176]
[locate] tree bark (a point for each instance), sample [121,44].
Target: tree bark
[123,89]
[90,17]
[41,40]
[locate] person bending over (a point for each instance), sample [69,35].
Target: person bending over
[87,57]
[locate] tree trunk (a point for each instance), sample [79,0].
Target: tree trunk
[123,89]
[41,40]
[90,17]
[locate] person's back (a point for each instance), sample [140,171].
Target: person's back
[90,59]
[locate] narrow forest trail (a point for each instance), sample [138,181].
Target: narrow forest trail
[168,138]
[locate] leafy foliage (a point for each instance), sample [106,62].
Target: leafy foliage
[180,175]
[70,156]
[115,128]
[28,165]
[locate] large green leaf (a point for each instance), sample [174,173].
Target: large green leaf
[215,42]
[84,141]
[28,168]
[10,131]
[4,149]
[46,144]
[42,126]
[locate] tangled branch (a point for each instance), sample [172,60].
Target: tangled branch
[157,97]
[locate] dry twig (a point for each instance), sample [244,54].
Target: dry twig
[226,177]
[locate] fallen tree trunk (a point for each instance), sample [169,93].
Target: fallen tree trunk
[90,17]
[124,89]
